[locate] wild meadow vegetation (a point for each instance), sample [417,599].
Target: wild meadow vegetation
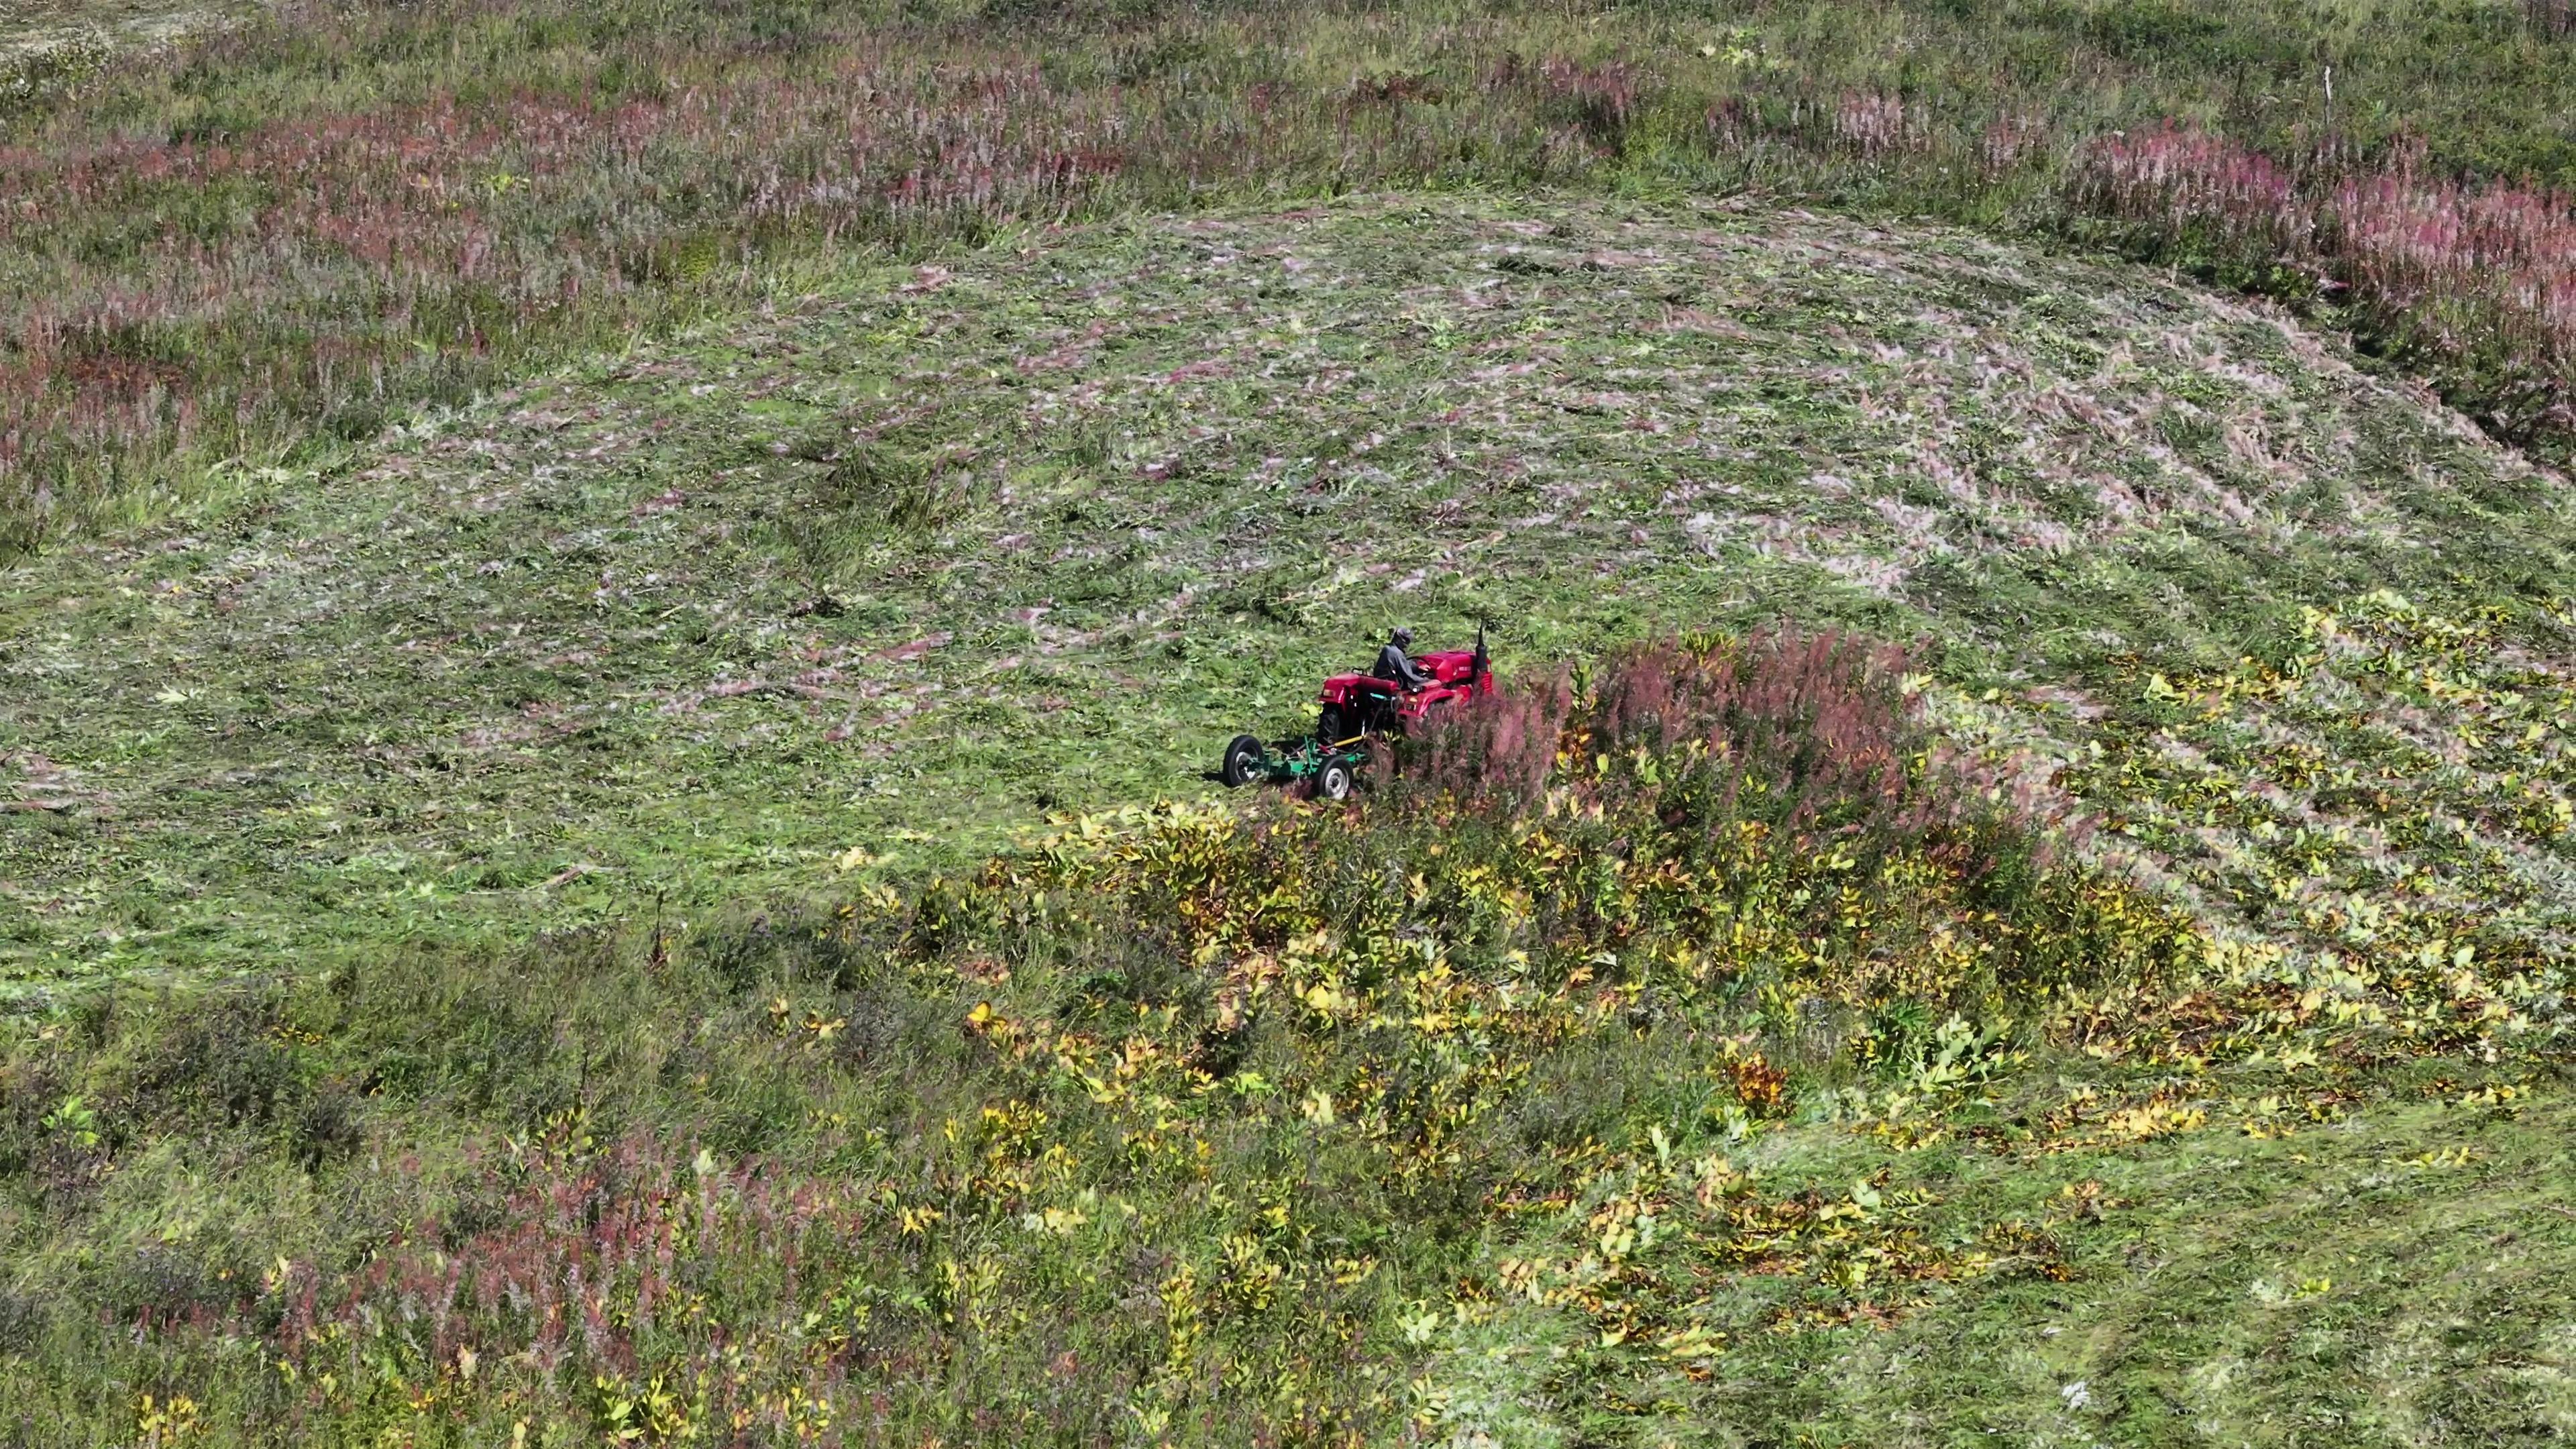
[556,934]
[300,222]
[613,616]
[1634,1053]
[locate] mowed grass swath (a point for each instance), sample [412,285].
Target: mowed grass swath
[1088,507]
[237,246]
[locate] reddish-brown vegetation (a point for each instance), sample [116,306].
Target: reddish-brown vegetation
[317,221]
[1812,737]
[2476,282]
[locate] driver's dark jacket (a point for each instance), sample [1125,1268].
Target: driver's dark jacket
[1397,670]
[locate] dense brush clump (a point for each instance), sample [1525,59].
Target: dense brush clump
[1812,736]
[1785,775]
[1159,1128]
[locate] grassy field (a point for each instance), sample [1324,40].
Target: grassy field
[251,248]
[480,976]
[614,621]
[909,564]
[51,43]
[1640,1109]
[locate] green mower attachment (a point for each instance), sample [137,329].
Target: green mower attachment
[1325,770]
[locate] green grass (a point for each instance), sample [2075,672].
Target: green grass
[441,846]
[2327,1286]
[1097,500]
[248,248]
[1193,1132]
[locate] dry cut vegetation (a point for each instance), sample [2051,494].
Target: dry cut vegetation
[225,252]
[904,570]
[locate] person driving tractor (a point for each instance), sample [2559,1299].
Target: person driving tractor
[1355,713]
[1395,668]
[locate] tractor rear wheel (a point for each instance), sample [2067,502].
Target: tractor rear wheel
[1333,726]
[1333,782]
[1245,762]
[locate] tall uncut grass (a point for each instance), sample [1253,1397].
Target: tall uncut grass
[2474,283]
[290,231]
[1809,738]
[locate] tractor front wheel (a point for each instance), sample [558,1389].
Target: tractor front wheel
[1333,782]
[1245,762]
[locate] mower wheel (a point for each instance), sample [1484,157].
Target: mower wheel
[1245,762]
[1333,782]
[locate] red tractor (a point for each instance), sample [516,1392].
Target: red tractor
[1355,706]
[1350,709]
